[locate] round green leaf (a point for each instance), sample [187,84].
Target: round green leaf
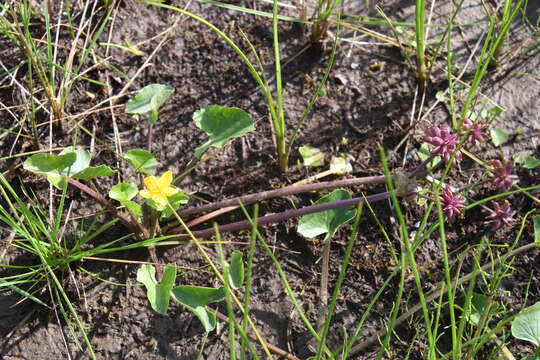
[158,294]
[123,191]
[82,161]
[498,136]
[93,171]
[526,325]
[328,221]
[44,163]
[531,162]
[141,160]
[221,124]
[148,100]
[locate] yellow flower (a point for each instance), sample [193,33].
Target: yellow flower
[159,189]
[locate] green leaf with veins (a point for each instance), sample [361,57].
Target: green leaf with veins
[221,124]
[82,161]
[498,136]
[526,325]
[45,163]
[149,100]
[158,293]
[195,298]
[329,221]
[123,191]
[93,171]
[141,160]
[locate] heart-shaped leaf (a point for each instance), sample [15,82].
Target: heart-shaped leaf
[148,101]
[221,124]
[141,160]
[93,171]
[45,163]
[195,298]
[328,221]
[531,162]
[498,136]
[82,161]
[123,191]
[158,293]
[526,325]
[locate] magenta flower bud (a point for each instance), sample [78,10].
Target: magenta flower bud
[504,179]
[501,215]
[451,204]
[444,142]
[476,134]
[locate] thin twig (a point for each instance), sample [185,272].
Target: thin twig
[289,190]
[280,217]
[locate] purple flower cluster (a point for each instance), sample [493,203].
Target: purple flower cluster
[502,215]
[444,142]
[504,179]
[451,204]
[477,132]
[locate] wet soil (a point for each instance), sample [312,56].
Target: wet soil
[369,102]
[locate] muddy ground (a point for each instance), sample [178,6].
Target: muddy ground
[369,99]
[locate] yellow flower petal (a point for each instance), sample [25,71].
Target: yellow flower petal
[151,182]
[159,189]
[167,178]
[145,194]
[170,191]
[160,199]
